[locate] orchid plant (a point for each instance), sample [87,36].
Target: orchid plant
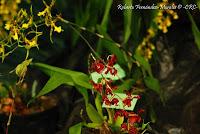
[119,106]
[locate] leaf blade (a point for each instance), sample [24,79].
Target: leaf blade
[76,129]
[59,76]
[152,83]
[127,22]
[93,114]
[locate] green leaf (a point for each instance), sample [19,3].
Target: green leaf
[198,3]
[120,74]
[84,93]
[55,81]
[59,76]
[93,125]
[126,85]
[152,83]
[98,104]
[144,125]
[3,91]
[76,129]
[152,115]
[106,14]
[195,29]
[136,28]
[144,63]
[119,121]
[93,114]
[127,22]
[137,74]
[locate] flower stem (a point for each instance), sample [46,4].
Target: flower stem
[110,115]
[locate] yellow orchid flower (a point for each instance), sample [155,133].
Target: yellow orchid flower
[7,26]
[42,13]
[26,25]
[2,49]
[15,36]
[31,43]
[57,29]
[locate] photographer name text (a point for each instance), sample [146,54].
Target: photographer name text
[154,6]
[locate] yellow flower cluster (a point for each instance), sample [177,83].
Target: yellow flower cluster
[164,17]
[49,20]
[8,9]
[146,47]
[18,27]
[163,21]
[14,26]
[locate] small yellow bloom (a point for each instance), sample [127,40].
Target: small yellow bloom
[160,13]
[1,49]
[175,16]
[42,13]
[164,29]
[31,43]
[57,29]
[7,26]
[18,1]
[168,22]
[25,25]
[152,46]
[15,36]
[151,32]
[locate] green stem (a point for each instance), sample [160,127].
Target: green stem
[110,115]
[27,54]
[97,34]
[85,41]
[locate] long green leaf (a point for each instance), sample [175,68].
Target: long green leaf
[98,104]
[127,22]
[195,29]
[102,28]
[106,14]
[136,28]
[93,114]
[144,63]
[55,81]
[59,76]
